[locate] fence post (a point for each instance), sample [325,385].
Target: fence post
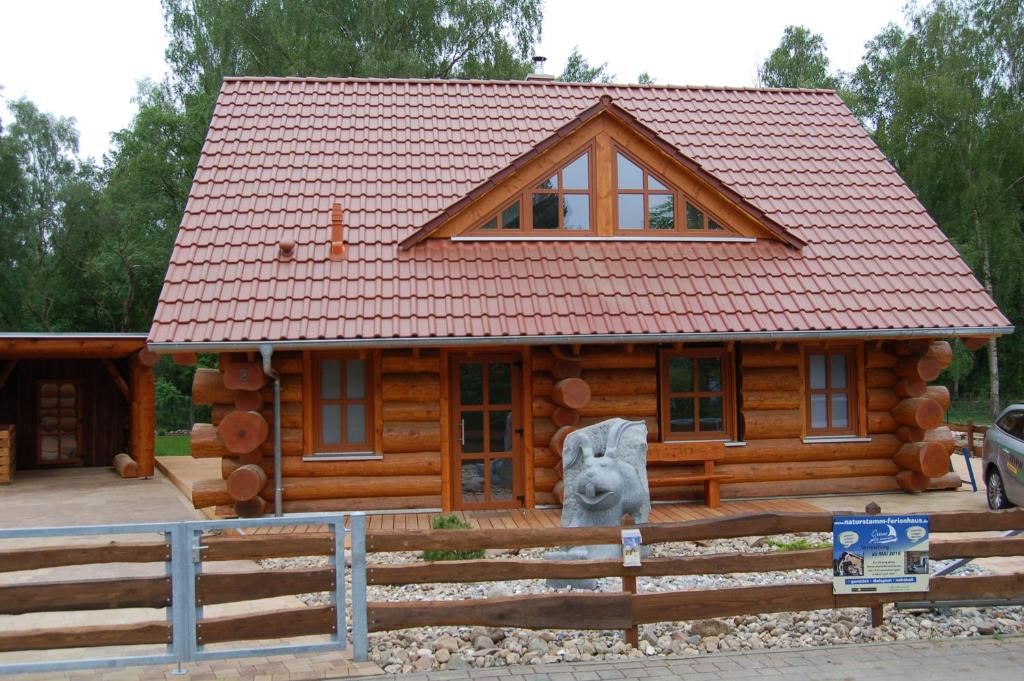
[629,586]
[338,561]
[360,642]
[181,588]
[876,610]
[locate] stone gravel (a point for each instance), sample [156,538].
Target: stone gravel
[464,647]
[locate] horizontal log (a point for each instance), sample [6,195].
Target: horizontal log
[301,621]
[287,362]
[940,394]
[929,458]
[879,378]
[568,611]
[912,481]
[543,457]
[230,587]
[942,436]
[910,347]
[243,431]
[59,556]
[881,399]
[785,379]
[411,411]
[667,453]
[767,355]
[773,424]
[564,416]
[559,491]
[910,433]
[291,413]
[878,358]
[250,508]
[566,368]
[408,436]
[403,362]
[291,389]
[250,400]
[806,470]
[571,392]
[413,463]
[205,443]
[949,481]
[86,637]
[861,485]
[906,387]
[761,400]
[420,387]
[546,499]
[557,443]
[975,343]
[621,406]
[185,359]
[246,376]
[426,502]
[206,493]
[769,451]
[125,466]
[544,479]
[208,388]
[544,429]
[880,422]
[291,443]
[260,546]
[86,594]
[919,412]
[614,357]
[941,352]
[245,482]
[925,369]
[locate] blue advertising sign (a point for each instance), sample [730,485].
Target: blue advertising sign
[879,553]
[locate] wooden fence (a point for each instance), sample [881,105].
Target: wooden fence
[626,610]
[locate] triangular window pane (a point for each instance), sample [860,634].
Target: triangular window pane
[576,175]
[694,217]
[510,217]
[652,183]
[629,174]
[550,183]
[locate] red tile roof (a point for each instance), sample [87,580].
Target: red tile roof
[396,153]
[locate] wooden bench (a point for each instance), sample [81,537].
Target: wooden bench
[664,454]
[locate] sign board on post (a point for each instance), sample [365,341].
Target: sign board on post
[879,554]
[631,541]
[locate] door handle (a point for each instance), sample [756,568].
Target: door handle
[462,437]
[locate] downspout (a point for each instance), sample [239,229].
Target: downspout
[267,351]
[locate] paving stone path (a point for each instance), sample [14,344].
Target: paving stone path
[986,659]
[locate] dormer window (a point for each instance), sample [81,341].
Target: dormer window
[646,203]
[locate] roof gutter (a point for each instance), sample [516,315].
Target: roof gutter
[426,342]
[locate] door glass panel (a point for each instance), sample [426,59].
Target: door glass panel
[681,414]
[576,175]
[355,379]
[819,411]
[330,417]
[472,475]
[330,383]
[545,211]
[355,422]
[577,211]
[471,383]
[501,431]
[709,374]
[660,211]
[840,411]
[499,383]
[838,370]
[711,414]
[680,375]
[817,365]
[502,472]
[629,174]
[631,211]
[473,432]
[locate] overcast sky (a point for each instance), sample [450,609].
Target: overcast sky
[82,58]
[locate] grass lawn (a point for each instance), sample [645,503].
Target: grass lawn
[173,445]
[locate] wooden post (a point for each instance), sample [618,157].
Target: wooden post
[143,415]
[876,610]
[632,634]
[970,440]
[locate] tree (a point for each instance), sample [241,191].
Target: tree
[799,61]
[579,70]
[645,79]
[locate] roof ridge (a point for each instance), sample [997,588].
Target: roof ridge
[500,81]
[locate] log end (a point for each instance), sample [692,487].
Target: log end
[126,466]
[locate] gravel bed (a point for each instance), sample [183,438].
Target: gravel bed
[463,647]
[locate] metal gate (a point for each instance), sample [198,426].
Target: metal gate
[185,551]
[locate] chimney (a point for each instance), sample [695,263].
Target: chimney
[337,233]
[286,249]
[538,69]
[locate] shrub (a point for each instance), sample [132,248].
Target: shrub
[451,522]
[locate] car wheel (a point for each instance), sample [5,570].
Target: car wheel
[996,492]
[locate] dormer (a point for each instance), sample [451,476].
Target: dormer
[604,175]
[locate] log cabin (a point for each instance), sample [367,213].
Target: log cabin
[418,288]
[79,399]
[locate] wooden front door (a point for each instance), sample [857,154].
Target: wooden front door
[487,430]
[58,422]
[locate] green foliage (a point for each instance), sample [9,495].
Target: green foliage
[645,79]
[798,61]
[579,70]
[451,522]
[798,544]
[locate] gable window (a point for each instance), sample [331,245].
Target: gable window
[831,396]
[560,203]
[696,394]
[342,404]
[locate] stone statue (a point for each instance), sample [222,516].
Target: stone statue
[604,476]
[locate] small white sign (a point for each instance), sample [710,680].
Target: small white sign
[631,541]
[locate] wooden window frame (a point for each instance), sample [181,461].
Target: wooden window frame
[369,400]
[525,200]
[853,390]
[728,394]
[679,203]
